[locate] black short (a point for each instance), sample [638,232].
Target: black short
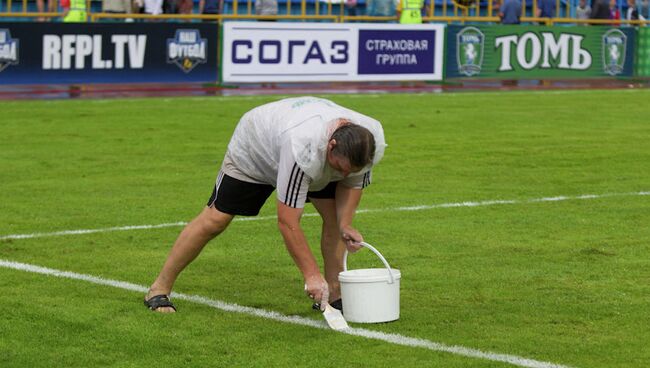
[237,197]
[329,192]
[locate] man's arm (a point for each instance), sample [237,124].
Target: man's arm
[347,201]
[296,243]
[292,187]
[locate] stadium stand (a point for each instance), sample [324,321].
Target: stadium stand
[322,10]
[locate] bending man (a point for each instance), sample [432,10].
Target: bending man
[308,149]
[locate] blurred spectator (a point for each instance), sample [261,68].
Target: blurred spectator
[178,6]
[153,7]
[209,7]
[40,7]
[510,12]
[410,11]
[65,6]
[583,11]
[351,7]
[546,8]
[600,10]
[615,12]
[633,12]
[645,8]
[77,12]
[266,7]
[116,6]
[170,6]
[186,6]
[138,7]
[380,8]
[496,8]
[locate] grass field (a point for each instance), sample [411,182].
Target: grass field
[564,281]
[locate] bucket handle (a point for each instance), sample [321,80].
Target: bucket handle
[374,250]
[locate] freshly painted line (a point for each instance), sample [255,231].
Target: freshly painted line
[297,320]
[408,208]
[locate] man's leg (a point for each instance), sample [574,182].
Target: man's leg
[52,6]
[332,245]
[40,7]
[207,225]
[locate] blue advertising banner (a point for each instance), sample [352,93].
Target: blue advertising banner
[396,52]
[37,53]
[304,52]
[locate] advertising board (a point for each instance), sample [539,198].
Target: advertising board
[518,52]
[37,53]
[301,52]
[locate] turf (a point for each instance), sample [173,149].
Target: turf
[565,281]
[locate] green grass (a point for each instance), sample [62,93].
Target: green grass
[566,282]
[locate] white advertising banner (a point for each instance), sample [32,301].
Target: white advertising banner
[310,52]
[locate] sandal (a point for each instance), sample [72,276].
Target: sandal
[159,301]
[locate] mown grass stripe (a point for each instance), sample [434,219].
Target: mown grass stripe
[297,320]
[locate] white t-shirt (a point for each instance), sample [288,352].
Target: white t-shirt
[153,7]
[284,144]
[630,12]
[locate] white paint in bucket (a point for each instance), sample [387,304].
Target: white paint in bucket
[370,295]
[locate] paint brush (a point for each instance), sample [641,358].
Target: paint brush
[334,318]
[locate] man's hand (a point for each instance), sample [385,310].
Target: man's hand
[347,201]
[352,238]
[316,288]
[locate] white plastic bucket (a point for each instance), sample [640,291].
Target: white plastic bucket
[370,295]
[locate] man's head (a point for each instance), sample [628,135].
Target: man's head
[350,148]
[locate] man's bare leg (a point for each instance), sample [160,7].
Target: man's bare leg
[207,225]
[40,7]
[332,245]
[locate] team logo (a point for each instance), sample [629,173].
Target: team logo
[469,51]
[8,49]
[614,43]
[187,49]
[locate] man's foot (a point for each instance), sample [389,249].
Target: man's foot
[159,303]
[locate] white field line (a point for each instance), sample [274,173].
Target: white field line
[297,320]
[408,208]
[91,231]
